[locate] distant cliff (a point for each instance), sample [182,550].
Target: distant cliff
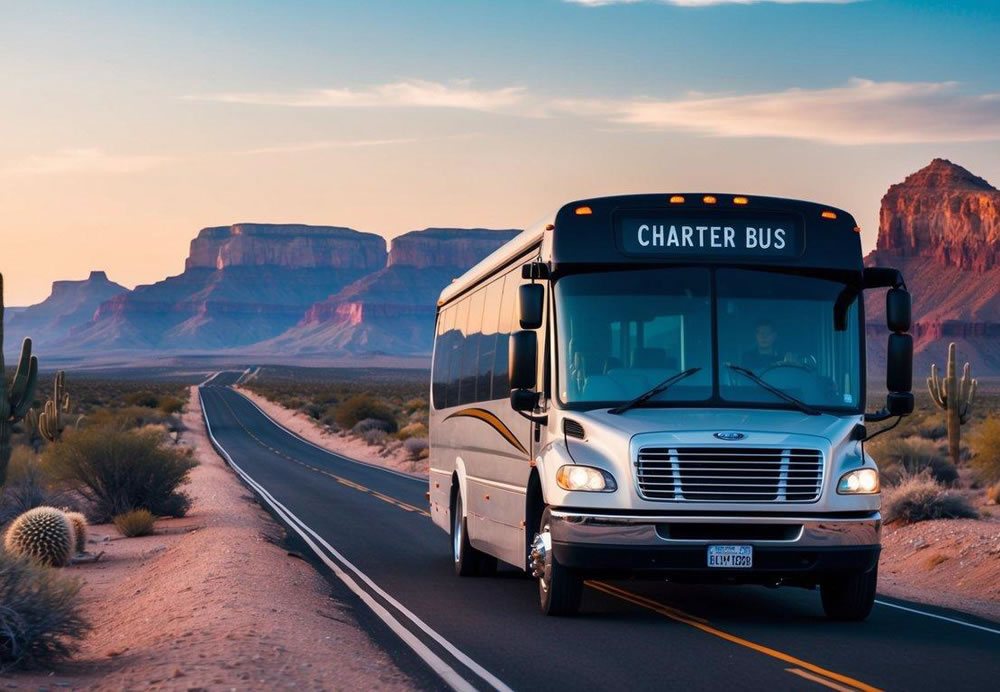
[392,310]
[69,305]
[241,284]
[941,228]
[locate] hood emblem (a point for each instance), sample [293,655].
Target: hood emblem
[729,436]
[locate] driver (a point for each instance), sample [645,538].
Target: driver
[766,353]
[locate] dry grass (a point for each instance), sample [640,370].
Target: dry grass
[921,498]
[985,441]
[138,522]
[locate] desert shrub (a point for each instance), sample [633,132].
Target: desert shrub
[131,417]
[412,430]
[25,487]
[920,498]
[374,437]
[40,620]
[170,404]
[363,406]
[120,470]
[986,448]
[138,522]
[314,410]
[416,446]
[142,398]
[899,457]
[932,428]
[415,404]
[363,426]
[44,534]
[993,494]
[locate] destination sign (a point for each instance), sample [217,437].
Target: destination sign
[706,236]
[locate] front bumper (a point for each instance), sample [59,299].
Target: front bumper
[794,548]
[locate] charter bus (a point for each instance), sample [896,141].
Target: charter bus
[667,386]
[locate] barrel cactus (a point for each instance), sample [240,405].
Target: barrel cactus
[79,522]
[44,534]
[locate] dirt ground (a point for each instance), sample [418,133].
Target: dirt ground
[349,446]
[948,562]
[194,607]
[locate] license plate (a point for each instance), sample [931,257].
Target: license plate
[730,556]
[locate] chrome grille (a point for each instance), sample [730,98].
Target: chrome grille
[729,474]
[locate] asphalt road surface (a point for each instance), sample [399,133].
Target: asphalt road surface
[370,527]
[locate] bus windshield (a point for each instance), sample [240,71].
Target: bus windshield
[621,333]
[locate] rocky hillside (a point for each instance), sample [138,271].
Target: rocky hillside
[241,284]
[70,305]
[941,228]
[392,310]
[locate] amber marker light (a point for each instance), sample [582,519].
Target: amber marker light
[584,211]
[857,229]
[550,226]
[677,199]
[829,215]
[709,199]
[740,200]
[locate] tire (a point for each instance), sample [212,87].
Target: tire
[469,562]
[560,590]
[849,597]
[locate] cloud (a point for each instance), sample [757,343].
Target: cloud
[85,160]
[322,144]
[708,3]
[861,112]
[412,93]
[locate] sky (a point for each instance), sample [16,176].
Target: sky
[126,127]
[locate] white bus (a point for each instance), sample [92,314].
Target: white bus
[669,386]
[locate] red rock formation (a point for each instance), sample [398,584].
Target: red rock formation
[392,310]
[944,212]
[941,228]
[286,245]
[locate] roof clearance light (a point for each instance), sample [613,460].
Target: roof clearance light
[829,215]
[740,200]
[677,199]
[584,211]
[857,229]
[709,199]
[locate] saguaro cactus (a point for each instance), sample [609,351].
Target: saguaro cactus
[50,423]
[15,399]
[954,397]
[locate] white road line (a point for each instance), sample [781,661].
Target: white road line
[298,437]
[939,617]
[438,665]
[211,377]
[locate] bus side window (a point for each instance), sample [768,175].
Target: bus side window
[457,346]
[487,346]
[470,350]
[442,354]
[508,304]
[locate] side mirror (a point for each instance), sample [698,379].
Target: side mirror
[899,363]
[523,400]
[530,305]
[899,403]
[523,359]
[897,310]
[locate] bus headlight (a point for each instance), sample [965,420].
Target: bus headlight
[586,478]
[858,482]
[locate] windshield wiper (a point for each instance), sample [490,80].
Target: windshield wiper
[662,387]
[797,403]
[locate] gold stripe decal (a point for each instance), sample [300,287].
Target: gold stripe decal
[491,420]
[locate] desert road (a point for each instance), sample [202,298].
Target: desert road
[370,527]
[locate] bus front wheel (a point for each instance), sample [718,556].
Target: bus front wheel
[849,596]
[469,562]
[560,590]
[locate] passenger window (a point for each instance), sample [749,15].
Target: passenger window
[470,350]
[458,345]
[487,346]
[501,383]
[442,356]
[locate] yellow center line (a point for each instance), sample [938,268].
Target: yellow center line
[819,680]
[339,479]
[702,625]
